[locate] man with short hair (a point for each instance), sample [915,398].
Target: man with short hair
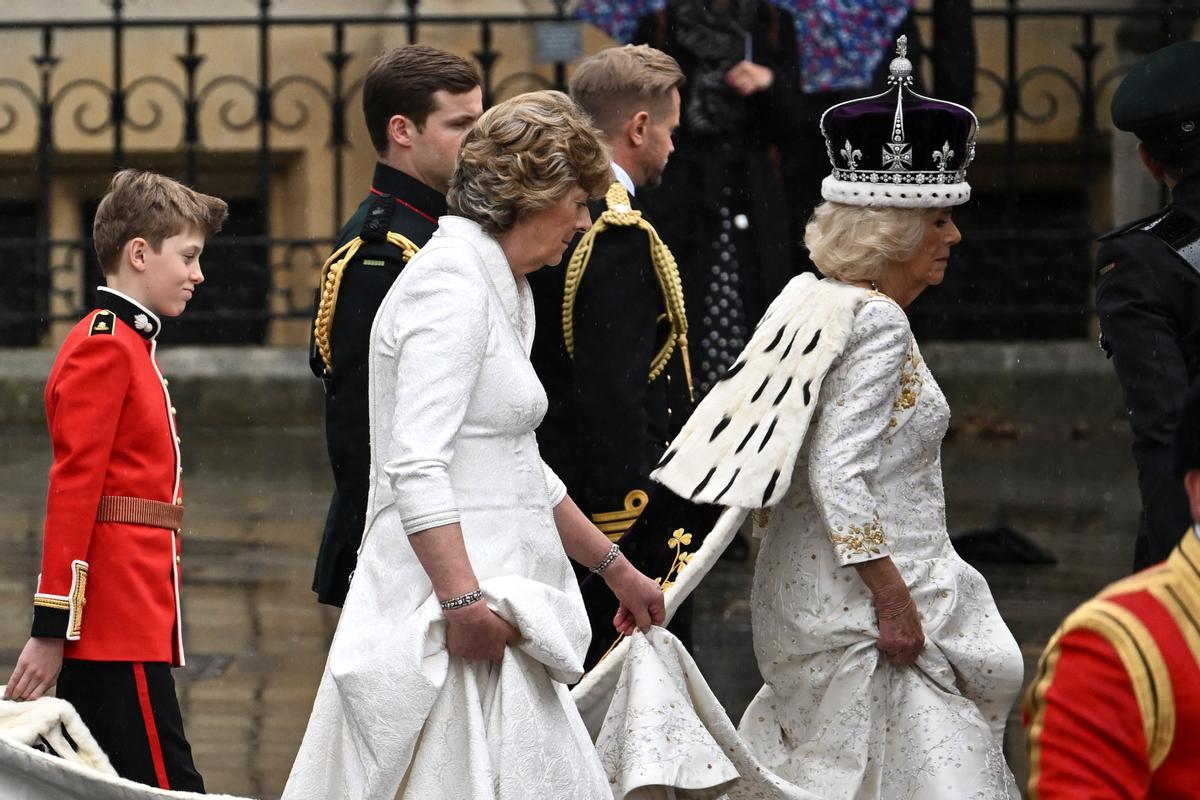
[418,102]
[1148,284]
[611,346]
[1114,711]
[107,608]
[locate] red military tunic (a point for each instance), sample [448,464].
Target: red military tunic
[111,588]
[1115,709]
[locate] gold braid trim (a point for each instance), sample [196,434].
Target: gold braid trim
[1143,663]
[622,215]
[331,282]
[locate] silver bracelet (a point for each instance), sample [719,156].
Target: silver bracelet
[607,561]
[462,601]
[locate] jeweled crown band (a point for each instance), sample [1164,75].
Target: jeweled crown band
[917,178]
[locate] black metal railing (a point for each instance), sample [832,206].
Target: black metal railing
[1035,276]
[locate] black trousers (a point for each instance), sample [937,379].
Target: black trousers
[132,711]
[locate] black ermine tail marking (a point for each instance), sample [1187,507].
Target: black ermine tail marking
[728,486]
[770,431]
[770,488]
[703,483]
[775,342]
[811,345]
[762,387]
[786,386]
[746,441]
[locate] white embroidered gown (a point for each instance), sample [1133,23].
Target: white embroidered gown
[454,403]
[834,716]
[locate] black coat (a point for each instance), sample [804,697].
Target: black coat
[365,282]
[1148,299]
[607,425]
[734,168]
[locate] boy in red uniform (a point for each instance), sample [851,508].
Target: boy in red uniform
[115,506]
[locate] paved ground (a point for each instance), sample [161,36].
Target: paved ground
[257,639]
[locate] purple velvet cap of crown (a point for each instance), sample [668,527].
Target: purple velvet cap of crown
[899,148]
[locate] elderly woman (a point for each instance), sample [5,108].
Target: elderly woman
[448,674]
[888,670]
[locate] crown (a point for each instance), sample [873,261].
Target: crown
[899,148]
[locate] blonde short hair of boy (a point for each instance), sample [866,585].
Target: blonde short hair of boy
[617,82]
[856,243]
[524,155]
[152,207]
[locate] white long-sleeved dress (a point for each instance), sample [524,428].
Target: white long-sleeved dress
[454,403]
[835,716]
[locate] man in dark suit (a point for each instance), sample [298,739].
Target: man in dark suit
[611,345]
[1148,284]
[419,102]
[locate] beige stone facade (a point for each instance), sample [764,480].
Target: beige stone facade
[303,170]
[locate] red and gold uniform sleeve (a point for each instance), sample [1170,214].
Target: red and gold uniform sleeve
[84,400]
[1086,720]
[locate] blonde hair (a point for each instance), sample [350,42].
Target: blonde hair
[152,207]
[524,155]
[617,82]
[856,243]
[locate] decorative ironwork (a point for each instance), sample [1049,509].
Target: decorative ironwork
[53,279]
[201,99]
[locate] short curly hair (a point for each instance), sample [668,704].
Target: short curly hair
[856,243]
[524,155]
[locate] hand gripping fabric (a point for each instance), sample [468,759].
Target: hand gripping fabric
[740,446]
[621,214]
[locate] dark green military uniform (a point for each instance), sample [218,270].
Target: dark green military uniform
[615,403]
[1148,289]
[400,204]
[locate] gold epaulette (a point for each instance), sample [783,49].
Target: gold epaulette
[331,282]
[1142,660]
[621,214]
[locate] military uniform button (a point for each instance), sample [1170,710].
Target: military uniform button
[178,501]
[172,411]
[177,560]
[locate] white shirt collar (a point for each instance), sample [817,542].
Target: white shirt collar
[624,178]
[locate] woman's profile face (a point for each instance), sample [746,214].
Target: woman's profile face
[548,232]
[927,265]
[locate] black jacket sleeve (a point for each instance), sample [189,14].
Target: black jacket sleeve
[1143,336]
[346,424]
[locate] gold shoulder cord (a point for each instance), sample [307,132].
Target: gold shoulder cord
[331,282]
[621,214]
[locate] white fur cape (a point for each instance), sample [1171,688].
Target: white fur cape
[740,446]
[82,772]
